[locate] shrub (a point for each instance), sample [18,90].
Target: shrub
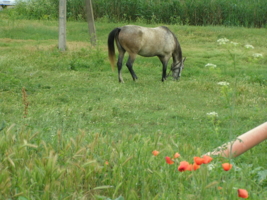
[191,12]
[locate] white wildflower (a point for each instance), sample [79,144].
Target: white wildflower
[249,46]
[257,55]
[223,83]
[222,41]
[211,167]
[234,43]
[211,65]
[237,168]
[212,114]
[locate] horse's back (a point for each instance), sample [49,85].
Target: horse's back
[146,41]
[130,37]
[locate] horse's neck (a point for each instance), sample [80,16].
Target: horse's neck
[177,53]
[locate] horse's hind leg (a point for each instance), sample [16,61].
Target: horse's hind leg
[119,65]
[129,64]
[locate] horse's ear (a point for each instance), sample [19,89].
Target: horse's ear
[184,59]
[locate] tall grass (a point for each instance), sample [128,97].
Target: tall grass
[245,13]
[191,12]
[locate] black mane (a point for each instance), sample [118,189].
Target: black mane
[178,50]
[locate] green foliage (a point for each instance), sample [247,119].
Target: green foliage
[189,12]
[37,9]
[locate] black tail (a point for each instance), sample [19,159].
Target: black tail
[111,48]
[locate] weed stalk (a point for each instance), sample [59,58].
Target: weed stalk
[25,102]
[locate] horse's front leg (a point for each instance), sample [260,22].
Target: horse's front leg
[164,72]
[164,68]
[129,64]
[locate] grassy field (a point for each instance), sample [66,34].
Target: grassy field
[70,130]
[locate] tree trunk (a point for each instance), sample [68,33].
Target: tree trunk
[62,25]
[90,20]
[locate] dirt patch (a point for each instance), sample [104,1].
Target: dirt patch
[33,45]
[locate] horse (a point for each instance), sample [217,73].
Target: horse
[146,42]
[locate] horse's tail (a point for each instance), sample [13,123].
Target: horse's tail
[111,48]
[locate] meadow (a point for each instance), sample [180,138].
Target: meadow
[70,130]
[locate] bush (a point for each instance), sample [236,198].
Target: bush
[190,12]
[37,9]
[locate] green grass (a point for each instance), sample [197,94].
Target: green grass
[79,116]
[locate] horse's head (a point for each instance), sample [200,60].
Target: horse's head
[177,69]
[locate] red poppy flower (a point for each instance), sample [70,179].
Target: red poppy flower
[155,152]
[183,166]
[195,166]
[189,167]
[242,193]
[206,159]
[176,155]
[169,160]
[198,160]
[226,166]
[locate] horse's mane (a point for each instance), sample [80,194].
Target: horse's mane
[178,49]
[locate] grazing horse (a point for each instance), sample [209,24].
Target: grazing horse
[147,42]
